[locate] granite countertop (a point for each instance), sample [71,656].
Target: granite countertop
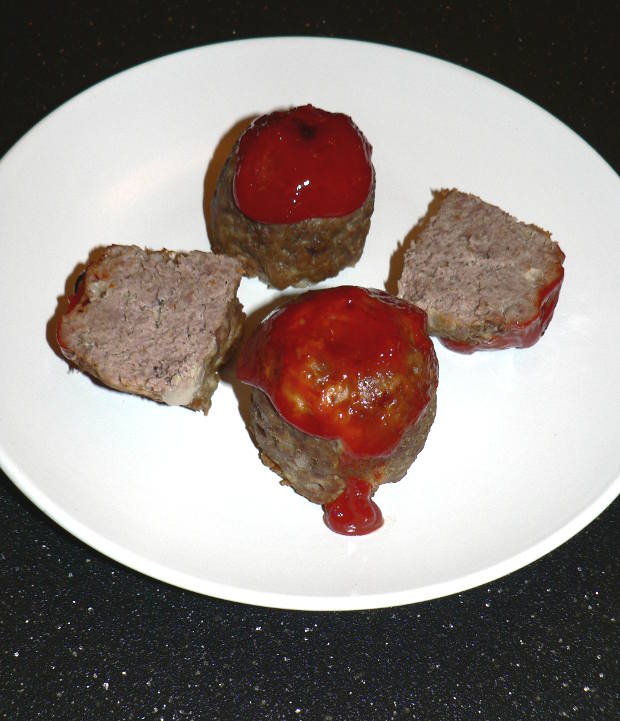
[86,638]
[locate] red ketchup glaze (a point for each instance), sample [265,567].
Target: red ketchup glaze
[302,163]
[339,364]
[353,513]
[519,335]
[74,300]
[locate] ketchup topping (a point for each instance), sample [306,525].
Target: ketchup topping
[346,363]
[74,300]
[519,335]
[302,163]
[353,513]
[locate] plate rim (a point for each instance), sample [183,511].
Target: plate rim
[279,600]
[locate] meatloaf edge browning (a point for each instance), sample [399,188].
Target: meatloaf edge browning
[282,255]
[155,323]
[318,468]
[484,278]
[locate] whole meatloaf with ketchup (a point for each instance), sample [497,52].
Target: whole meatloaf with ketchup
[294,199]
[485,280]
[154,323]
[343,398]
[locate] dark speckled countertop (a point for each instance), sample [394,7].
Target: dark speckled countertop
[82,637]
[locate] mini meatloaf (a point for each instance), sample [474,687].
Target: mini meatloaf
[155,323]
[294,200]
[485,280]
[344,387]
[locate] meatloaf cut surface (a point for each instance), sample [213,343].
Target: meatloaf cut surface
[154,323]
[485,280]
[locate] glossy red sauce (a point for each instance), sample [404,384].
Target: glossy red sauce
[73,302]
[345,363]
[302,163]
[520,335]
[353,513]
[339,363]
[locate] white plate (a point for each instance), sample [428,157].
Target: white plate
[524,451]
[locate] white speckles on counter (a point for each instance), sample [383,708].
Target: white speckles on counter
[541,643]
[86,639]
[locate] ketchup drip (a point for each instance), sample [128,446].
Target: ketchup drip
[353,513]
[302,163]
[345,363]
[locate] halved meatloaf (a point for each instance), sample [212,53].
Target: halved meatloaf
[485,280]
[155,323]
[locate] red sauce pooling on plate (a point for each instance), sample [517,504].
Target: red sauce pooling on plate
[302,163]
[353,513]
[345,363]
[520,335]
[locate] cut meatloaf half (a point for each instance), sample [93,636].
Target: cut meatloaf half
[485,280]
[154,323]
[293,254]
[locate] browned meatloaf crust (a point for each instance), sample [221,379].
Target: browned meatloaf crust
[155,323]
[286,254]
[318,468]
[485,279]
